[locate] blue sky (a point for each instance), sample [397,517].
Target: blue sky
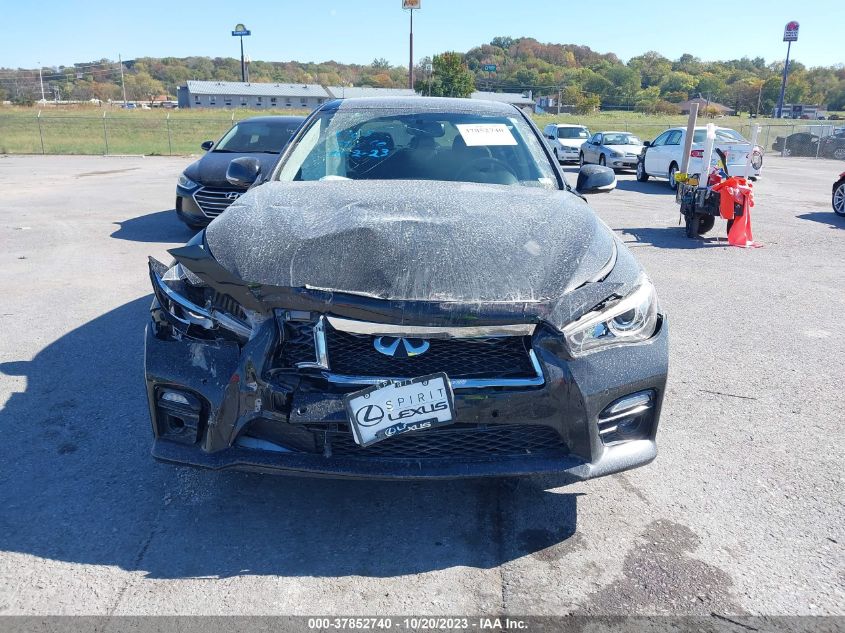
[357,31]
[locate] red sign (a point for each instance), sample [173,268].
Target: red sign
[790,32]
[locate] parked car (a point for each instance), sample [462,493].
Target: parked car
[839,195]
[618,150]
[798,144]
[202,191]
[662,157]
[415,291]
[833,146]
[566,140]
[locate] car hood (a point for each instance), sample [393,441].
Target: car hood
[574,143]
[412,240]
[625,149]
[210,170]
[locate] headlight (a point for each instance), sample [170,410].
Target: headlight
[186,182]
[172,285]
[616,154]
[629,320]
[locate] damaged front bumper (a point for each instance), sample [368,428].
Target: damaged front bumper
[254,379]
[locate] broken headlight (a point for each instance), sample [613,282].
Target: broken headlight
[631,319]
[188,302]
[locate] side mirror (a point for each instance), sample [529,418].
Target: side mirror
[646,143]
[207,145]
[595,179]
[244,171]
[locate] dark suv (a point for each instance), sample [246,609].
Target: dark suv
[202,191]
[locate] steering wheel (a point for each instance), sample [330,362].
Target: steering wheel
[486,165]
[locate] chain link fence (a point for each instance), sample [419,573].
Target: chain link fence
[109,135]
[26,133]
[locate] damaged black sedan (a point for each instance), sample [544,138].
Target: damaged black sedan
[413,292]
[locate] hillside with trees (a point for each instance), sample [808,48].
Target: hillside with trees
[580,76]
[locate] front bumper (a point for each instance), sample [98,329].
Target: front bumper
[624,162]
[233,397]
[568,154]
[187,208]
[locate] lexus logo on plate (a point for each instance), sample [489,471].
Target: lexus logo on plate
[400,347]
[369,415]
[233,195]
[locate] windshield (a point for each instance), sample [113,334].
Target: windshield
[258,137]
[621,139]
[722,134]
[572,132]
[390,144]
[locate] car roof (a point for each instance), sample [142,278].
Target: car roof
[568,125]
[274,119]
[616,132]
[422,104]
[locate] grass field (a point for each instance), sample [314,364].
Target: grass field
[95,130]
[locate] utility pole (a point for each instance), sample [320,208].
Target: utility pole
[122,83]
[411,5]
[790,34]
[41,80]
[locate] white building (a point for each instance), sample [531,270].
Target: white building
[237,94]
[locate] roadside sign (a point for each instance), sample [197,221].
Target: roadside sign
[241,30]
[489,68]
[790,32]
[411,4]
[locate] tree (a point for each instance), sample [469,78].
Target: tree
[451,77]
[380,63]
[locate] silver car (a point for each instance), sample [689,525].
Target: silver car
[618,150]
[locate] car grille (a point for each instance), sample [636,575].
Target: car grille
[493,357]
[470,441]
[213,202]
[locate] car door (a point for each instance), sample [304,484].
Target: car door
[589,149]
[654,156]
[595,148]
[672,151]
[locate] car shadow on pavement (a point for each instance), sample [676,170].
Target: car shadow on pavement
[824,217]
[78,485]
[669,237]
[650,187]
[160,226]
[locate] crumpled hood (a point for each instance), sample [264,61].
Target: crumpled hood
[210,170]
[412,240]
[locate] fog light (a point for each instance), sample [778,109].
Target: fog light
[629,418]
[172,396]
[179,415]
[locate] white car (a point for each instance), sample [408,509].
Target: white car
[566,140]
[662,156]
[618,150]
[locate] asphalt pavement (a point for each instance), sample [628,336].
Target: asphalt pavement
[741,513]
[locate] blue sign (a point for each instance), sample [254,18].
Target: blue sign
[489,68]
[242,32]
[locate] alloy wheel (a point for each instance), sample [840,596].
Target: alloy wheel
[839,200]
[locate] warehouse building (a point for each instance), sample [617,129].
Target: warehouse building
[237,94]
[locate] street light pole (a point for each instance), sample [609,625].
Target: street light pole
[411,5]
[122,83]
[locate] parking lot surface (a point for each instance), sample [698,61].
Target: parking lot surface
[742,512]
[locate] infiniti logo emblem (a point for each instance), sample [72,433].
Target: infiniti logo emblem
[400,347]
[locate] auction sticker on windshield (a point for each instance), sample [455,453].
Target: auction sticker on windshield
[393,408]
[475,134]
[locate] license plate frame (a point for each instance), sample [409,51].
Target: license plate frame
[376,412]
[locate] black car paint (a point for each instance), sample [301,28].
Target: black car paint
[210,171]
[230,378]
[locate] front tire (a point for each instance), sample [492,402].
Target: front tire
[602,161]
[839,199]
[839,153]
[673,184]
[641,175]
[581,160]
